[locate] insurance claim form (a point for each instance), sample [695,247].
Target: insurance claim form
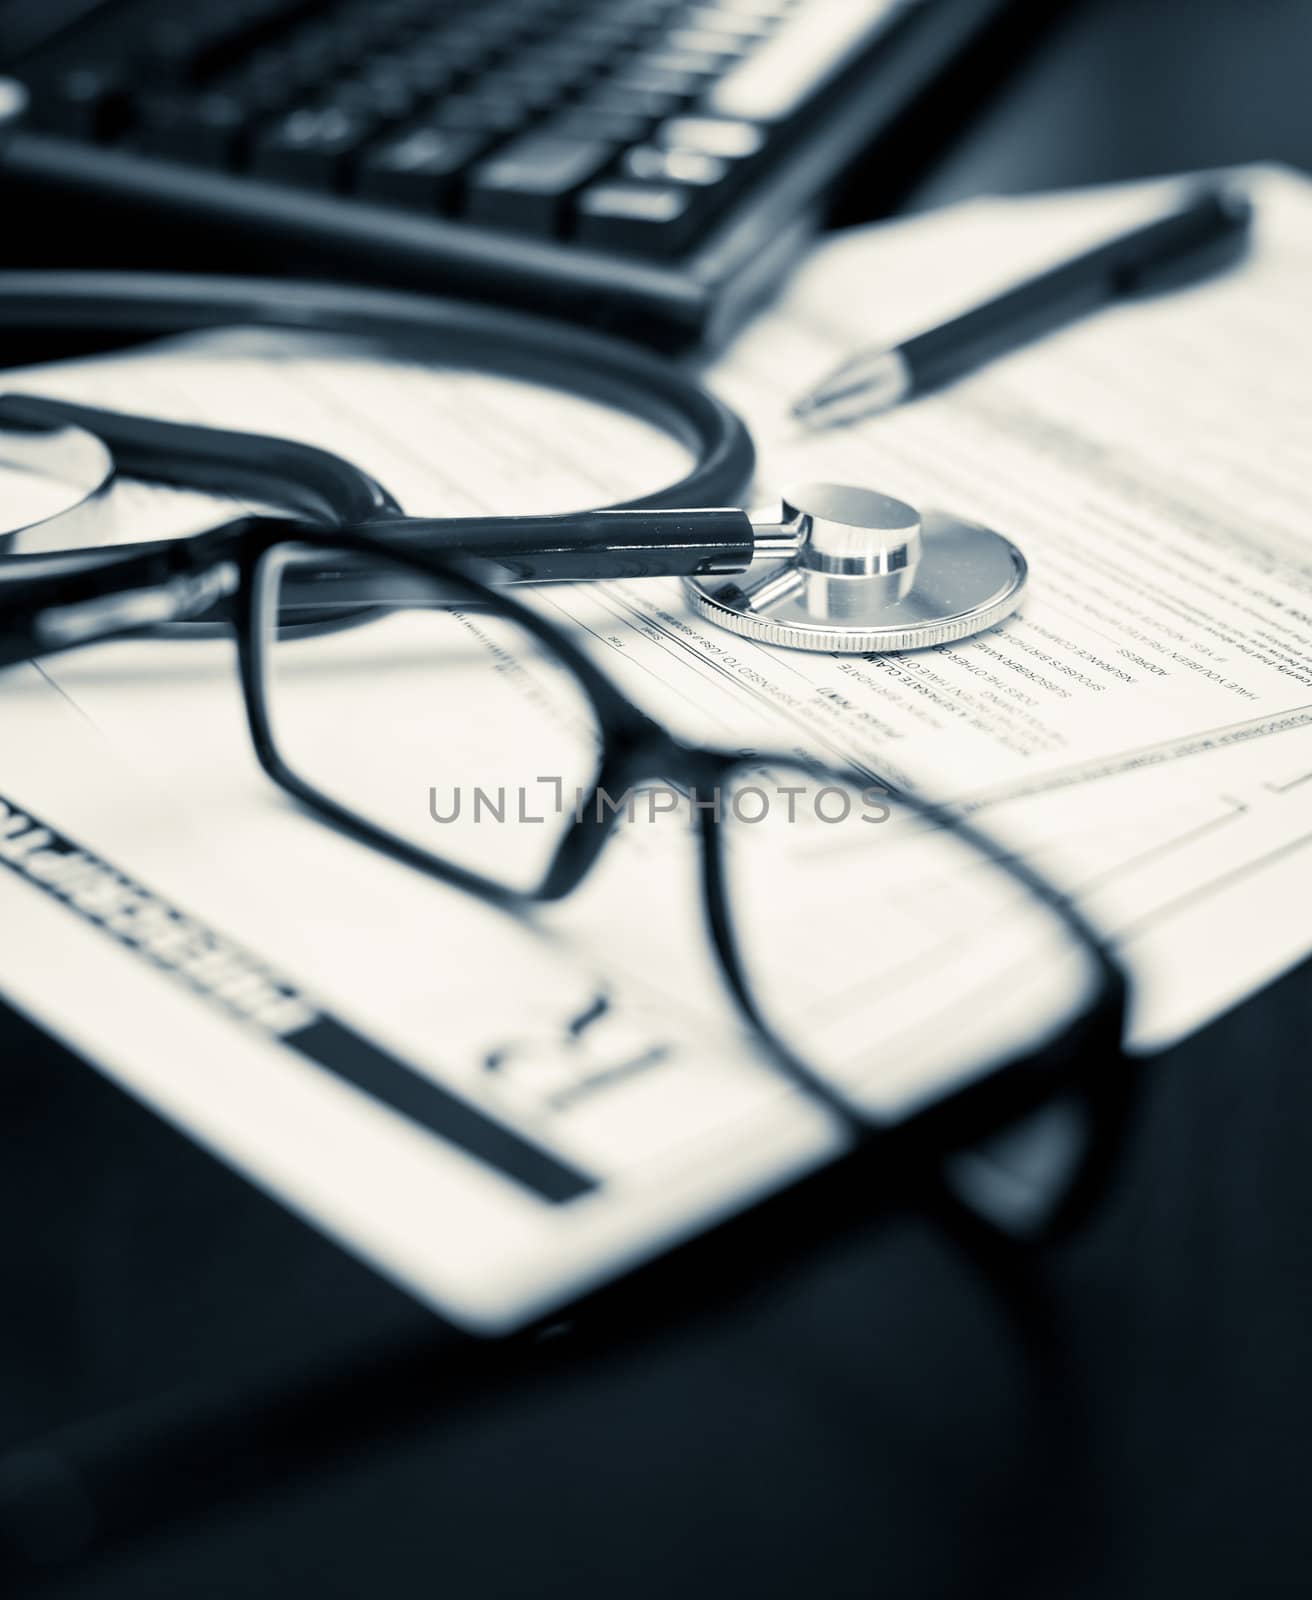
[1142,730]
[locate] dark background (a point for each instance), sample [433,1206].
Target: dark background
[890,1410]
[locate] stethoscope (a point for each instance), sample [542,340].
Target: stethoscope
[832,568]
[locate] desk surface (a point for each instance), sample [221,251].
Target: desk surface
[891,1414]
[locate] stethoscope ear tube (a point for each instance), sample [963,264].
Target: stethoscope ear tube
[580,546]
[416,328]
[298,478]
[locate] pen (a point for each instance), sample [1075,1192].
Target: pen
[1205,233]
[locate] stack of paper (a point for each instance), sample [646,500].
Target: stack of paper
[1142,730]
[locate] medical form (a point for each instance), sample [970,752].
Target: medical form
[1141,730]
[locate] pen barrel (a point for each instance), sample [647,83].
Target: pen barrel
[1201,236]
[577,546]
[987,332]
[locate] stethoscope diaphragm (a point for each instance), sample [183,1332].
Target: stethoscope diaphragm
[867,573]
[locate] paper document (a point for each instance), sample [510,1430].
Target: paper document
[325,1019]
[1143,726]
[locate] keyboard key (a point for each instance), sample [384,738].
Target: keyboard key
[468,47]
[310,147]
[383,100]
[632,102]
[428,75]
[313,57]
[698,68]
[586,122]
[383,67]
[728,46]
[645,79]
[419,168]
[557,53]
[474,113]
[579,58]
[649,164]
[722,13]
[526,184]
[261,97]
[747,23]
[646,219]
[354,36]
[811,48]
[606,33]
[532,91]
[644,13]
[712,136]
[171,48]
[206,130]
[86,102]
[192,43]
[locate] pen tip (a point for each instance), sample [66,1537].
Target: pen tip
[811,416]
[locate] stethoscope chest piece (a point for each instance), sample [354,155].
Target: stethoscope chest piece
[857,571]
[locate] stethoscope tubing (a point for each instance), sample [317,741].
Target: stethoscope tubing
[328,490]
[409,327]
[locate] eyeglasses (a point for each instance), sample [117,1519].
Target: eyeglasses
[893,962]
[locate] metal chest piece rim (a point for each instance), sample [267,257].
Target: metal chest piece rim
[860,572]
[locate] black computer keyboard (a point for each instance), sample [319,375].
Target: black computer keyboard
[533,136]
